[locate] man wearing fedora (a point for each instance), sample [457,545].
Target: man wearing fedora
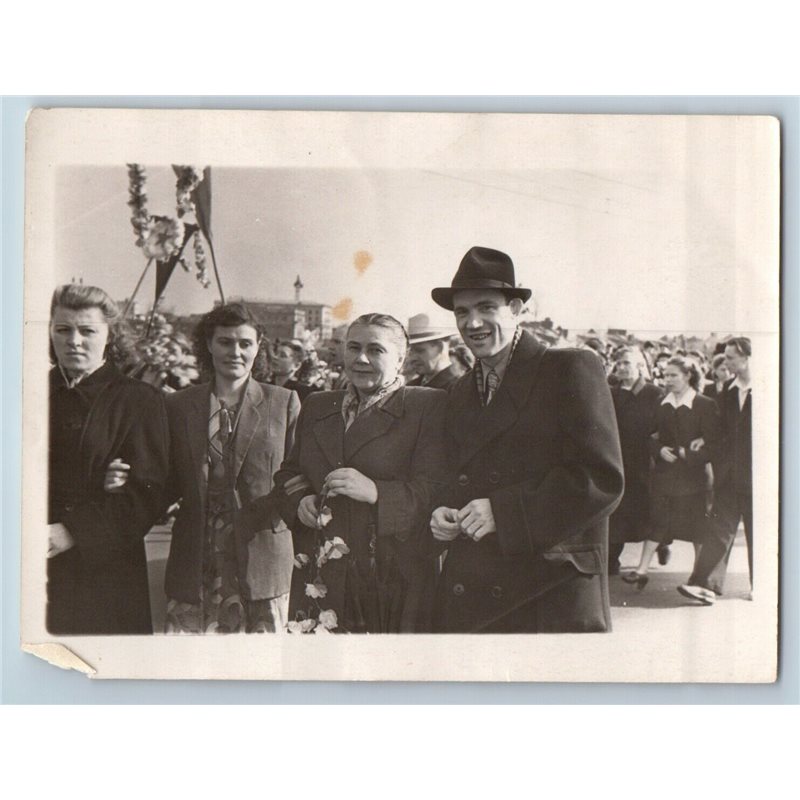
[429,354]
[536,470]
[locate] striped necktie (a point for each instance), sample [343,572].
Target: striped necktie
[492,382]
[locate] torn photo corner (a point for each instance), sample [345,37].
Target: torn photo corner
[655,233]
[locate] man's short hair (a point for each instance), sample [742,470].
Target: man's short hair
[741,344]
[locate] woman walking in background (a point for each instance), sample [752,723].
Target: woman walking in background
[636,403]
[720,375]
[682,480]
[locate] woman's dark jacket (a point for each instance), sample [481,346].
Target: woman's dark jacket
[100,586]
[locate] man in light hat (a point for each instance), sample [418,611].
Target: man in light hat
[536,470]
[429,354]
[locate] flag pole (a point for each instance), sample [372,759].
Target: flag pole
[216,271]
[138,285]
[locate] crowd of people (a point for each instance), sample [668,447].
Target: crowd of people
[685,430]
[403,478]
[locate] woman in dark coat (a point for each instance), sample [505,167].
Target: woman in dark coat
[358,491]
[682,484]
[96,569]
[635,402]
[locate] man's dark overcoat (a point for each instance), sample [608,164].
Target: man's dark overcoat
[99,586]
[546,453]
[264,435]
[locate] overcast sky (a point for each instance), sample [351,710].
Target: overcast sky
[656,248]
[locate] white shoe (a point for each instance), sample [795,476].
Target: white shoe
[705,596]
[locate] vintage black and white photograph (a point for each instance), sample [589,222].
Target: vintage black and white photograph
[401,396]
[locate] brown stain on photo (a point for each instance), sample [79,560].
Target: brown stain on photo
[343,309]
[362,261]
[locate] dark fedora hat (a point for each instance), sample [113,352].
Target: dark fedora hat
[481,268]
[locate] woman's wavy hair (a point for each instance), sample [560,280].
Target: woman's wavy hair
[229,315]
[689,368]
[80,297]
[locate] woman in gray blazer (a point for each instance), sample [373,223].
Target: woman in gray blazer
[228,437]
[226,572]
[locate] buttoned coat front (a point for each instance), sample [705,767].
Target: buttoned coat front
[264,435]
[546,453]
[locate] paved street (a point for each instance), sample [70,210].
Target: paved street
[633,611]
[630,605]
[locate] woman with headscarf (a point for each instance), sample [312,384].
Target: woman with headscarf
[358,491]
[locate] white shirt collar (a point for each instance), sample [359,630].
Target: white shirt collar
[73,382]
[686,400]
[739,384]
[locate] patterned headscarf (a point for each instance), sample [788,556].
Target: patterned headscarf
[354,406]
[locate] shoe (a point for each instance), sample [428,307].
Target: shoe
[705,596]
[664,553]
[637,578]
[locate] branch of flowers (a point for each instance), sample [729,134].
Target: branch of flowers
[200,261]
[187,182]
[140,220]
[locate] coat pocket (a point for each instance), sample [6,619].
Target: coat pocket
[584,559]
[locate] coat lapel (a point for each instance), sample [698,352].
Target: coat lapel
[482,425]
[196,420]
[253,403]
[374,424]
[328,430]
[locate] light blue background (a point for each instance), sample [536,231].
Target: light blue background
[26,679]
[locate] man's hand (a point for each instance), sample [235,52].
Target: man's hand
[444,524]
[116,476]
[477,519]
[349,482]
[308,511]
[667,454]
[697,444]
[59,540]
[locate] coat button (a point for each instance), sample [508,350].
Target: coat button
[494,477]
[463,480]
[497,592]
[458,589]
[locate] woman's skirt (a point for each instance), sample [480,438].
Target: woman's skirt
[679,517]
